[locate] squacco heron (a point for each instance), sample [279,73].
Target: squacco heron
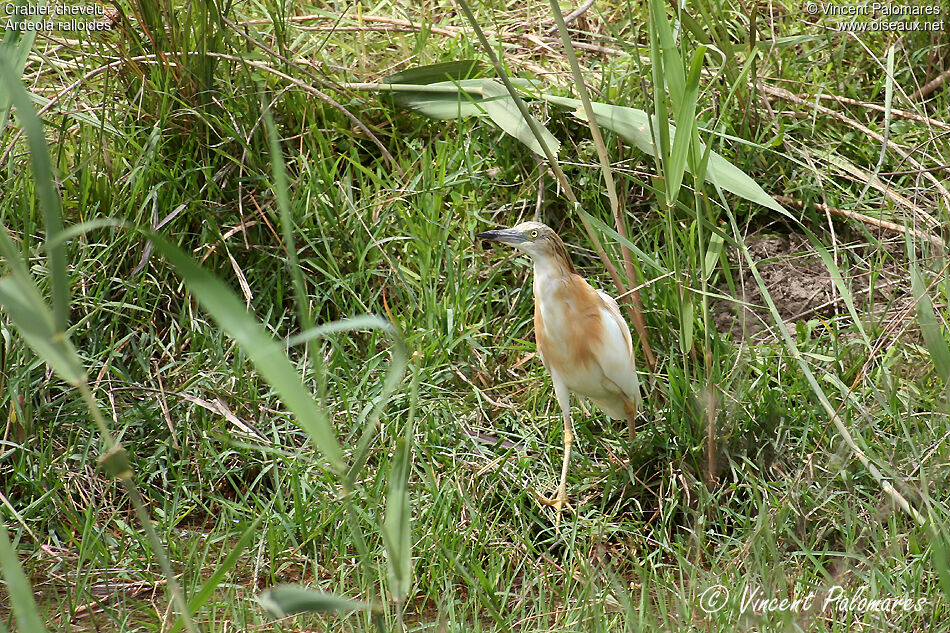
[583,341]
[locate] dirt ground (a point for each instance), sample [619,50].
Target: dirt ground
[801,285]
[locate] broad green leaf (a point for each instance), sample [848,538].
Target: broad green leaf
[468,97]
[397,527]
[19,593]
[633,125]
[453,104]
[285,600]
[501,108]
[265,353]
[437,73]
[439,105]
[725,175]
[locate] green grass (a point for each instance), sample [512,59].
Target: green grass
[788,509]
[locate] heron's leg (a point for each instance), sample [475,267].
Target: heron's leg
[564,400]
[568,444]
[630,409]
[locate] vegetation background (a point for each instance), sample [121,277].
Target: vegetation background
[207,157]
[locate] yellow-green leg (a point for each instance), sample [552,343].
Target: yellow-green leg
[560,501]
[630,409]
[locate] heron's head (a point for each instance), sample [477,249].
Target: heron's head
[534,239]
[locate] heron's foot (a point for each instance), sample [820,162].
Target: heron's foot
[559,503]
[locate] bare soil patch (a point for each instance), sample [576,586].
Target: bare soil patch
[801,285]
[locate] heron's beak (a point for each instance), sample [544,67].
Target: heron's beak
[505,236]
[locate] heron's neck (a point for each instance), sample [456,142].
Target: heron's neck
[551,267]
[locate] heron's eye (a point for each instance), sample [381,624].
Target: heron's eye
[534,234]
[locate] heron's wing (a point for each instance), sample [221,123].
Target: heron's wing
[617,362]
[614,311]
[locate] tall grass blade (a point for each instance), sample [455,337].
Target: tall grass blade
[659,125]
[888,106]
[672,66]
[941,557]
[286,222]
[686,119]
[642,255]
[19,591]
[45,189]
[634,302]
[397,535]
[838,280]
[930,327]
[533,125]
[15,47]
[858,451]
[552,160]
[23,303]
[393,377]
[89,118]
[44,329]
